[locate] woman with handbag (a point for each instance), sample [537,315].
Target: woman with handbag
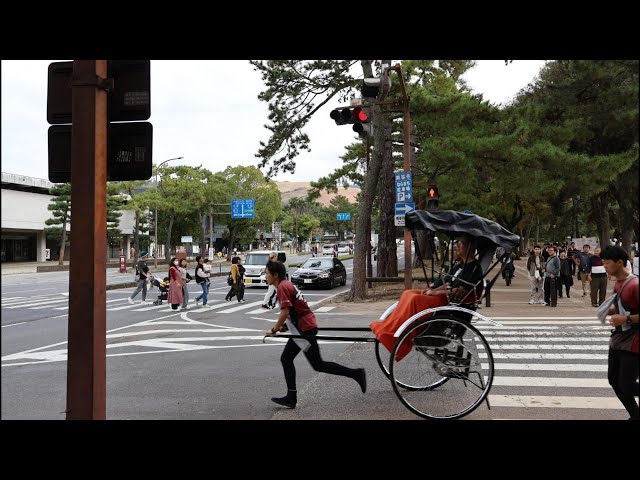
[175,297]
[535,267]
[234,274]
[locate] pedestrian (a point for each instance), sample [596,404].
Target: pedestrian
[175,297]
[186,278]
[142,275]
[202,279]
[582,262]
[300,320]
[565,274]
[234,274]
[535,267]
[623,344]
[240,286]
[551,272]
[597,276]
[271,297]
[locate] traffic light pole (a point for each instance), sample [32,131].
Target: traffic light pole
[406,153]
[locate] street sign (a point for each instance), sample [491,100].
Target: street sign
[130,99]
[402,208]
[242,208]
[129,149]
[186,239]
[344,216]
[404,187]
[398,220]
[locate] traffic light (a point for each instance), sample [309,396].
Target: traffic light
[433,197]
[359,117]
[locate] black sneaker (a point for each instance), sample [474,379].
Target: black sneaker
[361,378]
[284,401]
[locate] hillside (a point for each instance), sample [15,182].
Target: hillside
[291,190]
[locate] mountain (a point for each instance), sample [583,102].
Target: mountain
[290,190]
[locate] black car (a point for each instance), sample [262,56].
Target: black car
[320,272]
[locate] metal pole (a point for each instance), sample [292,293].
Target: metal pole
[369,267]
[408,281]
[155,260]
[86,364]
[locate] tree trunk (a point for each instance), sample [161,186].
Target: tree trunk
[168,244]
[62,242]
[600,210]
[387,255]
[361,248]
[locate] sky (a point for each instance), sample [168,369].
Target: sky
[208,112]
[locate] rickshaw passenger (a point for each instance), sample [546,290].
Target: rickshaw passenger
[466,268]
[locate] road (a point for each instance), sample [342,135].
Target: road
[199,363]
[550,362]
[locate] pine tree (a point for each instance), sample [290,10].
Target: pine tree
[60,207]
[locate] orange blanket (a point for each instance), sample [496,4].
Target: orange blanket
[411,302]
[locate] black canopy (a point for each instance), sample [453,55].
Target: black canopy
[488,234]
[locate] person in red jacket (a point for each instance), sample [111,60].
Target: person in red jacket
[300,321]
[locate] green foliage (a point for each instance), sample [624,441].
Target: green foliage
[292,89]
[60,208]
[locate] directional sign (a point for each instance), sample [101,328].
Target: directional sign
[242,208]
[404,187]
[402,208]
[344,216]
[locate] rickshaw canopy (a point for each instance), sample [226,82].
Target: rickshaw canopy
[488,234]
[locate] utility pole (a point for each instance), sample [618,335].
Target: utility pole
[297,247]
[210,226]
[408,280]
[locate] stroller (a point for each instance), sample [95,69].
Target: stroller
[163,287]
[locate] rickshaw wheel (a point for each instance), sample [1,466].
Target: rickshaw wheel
[384,358]
[442,347]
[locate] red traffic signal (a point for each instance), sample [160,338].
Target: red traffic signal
[433,197]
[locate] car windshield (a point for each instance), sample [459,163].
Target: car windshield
[257,259]
[317,263]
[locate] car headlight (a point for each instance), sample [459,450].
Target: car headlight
[295,275]
[323,275]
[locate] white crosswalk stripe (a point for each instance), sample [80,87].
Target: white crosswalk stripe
[560,366]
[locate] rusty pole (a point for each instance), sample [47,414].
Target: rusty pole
[86,364]
[408,281]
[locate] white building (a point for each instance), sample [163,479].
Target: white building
[24,211]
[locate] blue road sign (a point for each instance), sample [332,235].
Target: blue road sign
[343,216]
[242,208]
[402,208]
[404,187]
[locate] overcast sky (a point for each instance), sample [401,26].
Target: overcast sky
[207,112]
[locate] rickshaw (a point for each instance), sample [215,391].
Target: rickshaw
[449,369]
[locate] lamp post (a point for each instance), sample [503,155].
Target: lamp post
[155,240]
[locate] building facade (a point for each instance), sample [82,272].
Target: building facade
[24,212]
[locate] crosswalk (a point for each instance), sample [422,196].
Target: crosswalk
[55,303]
[556,367]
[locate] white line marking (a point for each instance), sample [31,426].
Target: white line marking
[13,324]
[528,401]
[551,382]
[557,367]
[548,356]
